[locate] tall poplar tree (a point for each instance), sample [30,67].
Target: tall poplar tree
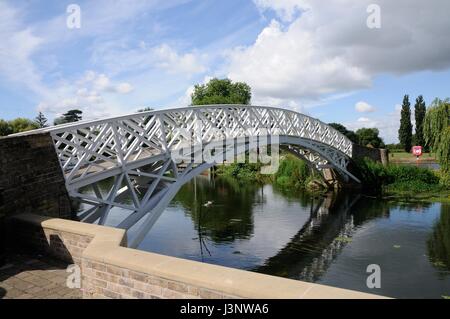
[405,130]
[420,110]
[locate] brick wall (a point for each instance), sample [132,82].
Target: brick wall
[102,280]
[375,154]
[111,270]
[31,179]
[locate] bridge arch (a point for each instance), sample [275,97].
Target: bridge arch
[137,149]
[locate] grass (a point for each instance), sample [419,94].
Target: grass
[402,156]
[402,181]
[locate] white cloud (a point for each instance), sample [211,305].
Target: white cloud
[17,46]
[102,83]
[94,93]
[25,53]
[364,119]
[364,107]
[328,48]
[168,59]
[387,124]
[120,58]
[124,88]
[289,65]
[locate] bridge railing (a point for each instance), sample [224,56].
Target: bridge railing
[91,147]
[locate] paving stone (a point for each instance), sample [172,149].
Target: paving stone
[38,281]
[14,293]
[22,285]
[27,277]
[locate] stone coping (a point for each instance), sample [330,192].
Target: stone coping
[107,247]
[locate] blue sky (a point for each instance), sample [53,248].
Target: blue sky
[318,59]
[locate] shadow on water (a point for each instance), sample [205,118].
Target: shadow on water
[320,240]
[439,242]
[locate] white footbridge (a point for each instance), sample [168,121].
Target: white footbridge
[150,155]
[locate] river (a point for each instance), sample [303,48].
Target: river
[324,239]
[329,239]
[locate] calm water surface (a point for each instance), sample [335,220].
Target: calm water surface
[324,239]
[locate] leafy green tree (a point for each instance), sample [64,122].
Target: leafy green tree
[436,129]
[221,91]
[369,137]
[22,125]
[405,130]
[59,120]
[342,129]
[420,110]
[145,109]
[73,116]
[393,147]
[17,125]
[69,117]
[5,128]
[41,120]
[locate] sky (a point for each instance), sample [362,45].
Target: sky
[340,61]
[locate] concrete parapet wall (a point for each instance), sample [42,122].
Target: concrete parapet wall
[111,270]
[31,179]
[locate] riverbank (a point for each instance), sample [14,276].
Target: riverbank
[404,157]
[441,196]
[293,174]
[395,181]
[404,182]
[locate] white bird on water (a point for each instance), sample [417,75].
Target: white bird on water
[208,203]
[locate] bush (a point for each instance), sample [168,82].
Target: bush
[406,173]
[444,178]
[372,174]
[245,172]
[292,172]
[375,176]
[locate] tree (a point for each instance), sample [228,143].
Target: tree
[405,130]
[41,120]
[145,109]
[5,128]
[22,125]
[436,130]
[342,129]
[221,91]
[369,137]
[419,111]
[69,117]
[73,116]
[17,125]
[59,120]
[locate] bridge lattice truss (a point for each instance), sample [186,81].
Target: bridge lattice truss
[136,152]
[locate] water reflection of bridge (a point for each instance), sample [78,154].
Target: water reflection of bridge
[332,221]
[312,250]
